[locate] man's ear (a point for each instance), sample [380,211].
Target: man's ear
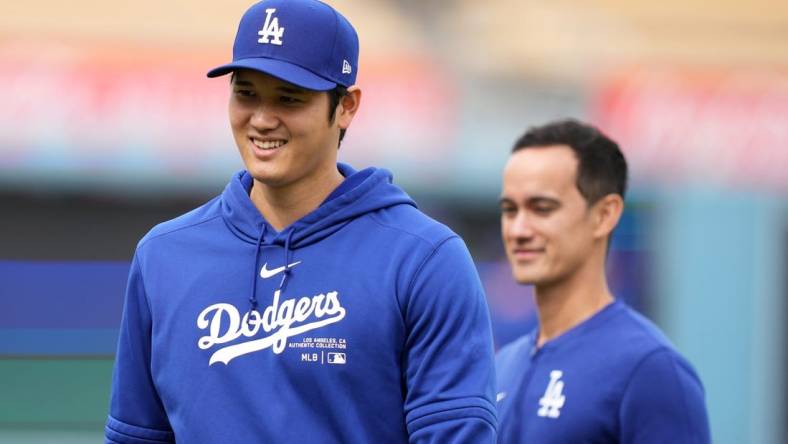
[606,213]
[348,105]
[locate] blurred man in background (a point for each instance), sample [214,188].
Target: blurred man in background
[593,370]
[309,302]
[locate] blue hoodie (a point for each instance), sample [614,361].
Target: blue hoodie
[362,322]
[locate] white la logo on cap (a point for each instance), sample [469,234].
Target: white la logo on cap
[271,29]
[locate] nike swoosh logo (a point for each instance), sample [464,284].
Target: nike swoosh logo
[500,396]
[265,273]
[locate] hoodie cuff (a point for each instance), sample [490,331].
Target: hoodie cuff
[470,410]
[119,432]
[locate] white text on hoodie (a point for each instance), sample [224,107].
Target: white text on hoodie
[323,309]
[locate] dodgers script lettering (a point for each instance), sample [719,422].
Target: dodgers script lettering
[290,318]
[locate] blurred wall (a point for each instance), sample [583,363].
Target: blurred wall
[109,126]
[721,279]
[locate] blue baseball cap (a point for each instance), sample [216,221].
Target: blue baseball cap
[303,42]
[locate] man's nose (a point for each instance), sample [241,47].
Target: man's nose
[264,118]
[521,226]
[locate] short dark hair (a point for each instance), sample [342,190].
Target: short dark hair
[334,96]
[601,166]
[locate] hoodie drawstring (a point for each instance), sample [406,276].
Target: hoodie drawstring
[287,271]
[253,298]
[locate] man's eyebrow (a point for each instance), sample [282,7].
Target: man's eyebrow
[531,200]
[242,82]
[543,199]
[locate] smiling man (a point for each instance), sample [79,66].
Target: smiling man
[309,302]
[594,370]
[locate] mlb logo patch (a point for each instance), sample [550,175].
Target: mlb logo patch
[337,358]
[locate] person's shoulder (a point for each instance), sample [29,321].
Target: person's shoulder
[632,337]
[193,219]
[513,351]
[412,222]
[656,348]
[662,395]
[633,327]
[640,351]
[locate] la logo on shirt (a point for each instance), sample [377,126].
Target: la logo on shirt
[553,400]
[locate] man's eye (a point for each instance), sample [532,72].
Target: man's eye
[244,92]
[508,210]
[289,100]
[543,209]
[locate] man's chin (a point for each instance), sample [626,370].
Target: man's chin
[525,278]
[534,275]
[266,177]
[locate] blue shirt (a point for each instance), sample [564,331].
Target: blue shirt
[614,378]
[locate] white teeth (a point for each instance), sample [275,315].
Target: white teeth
[268,144]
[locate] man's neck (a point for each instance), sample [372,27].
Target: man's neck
[281,206]
[565,304]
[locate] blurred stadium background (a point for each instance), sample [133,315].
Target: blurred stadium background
[108,126]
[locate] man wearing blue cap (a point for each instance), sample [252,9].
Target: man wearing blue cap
[309,302]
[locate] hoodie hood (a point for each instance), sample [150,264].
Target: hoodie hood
[362,192]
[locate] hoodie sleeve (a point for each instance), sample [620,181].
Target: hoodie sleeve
[449,364]
[136,413]
[664,402]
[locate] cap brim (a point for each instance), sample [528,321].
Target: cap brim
[282,70]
